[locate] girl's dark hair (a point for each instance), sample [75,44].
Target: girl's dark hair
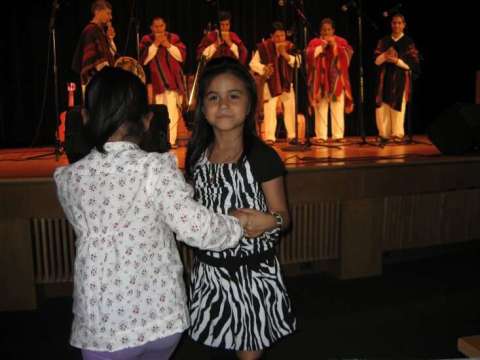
[114,97]
[202,134]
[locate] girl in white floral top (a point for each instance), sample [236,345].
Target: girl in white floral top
[125,205]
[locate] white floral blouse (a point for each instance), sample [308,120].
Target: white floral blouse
[125,206]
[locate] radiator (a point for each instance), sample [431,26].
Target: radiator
[314,236]
[53,243]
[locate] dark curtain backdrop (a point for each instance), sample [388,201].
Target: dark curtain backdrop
[445,32]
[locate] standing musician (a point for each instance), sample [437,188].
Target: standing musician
[328,60]
[162,53]
[274,60]
[397,61]
[222,43]
[93,49]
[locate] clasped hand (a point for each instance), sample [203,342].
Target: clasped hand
[391,55]
[254,222]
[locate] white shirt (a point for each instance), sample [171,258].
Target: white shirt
[124,207]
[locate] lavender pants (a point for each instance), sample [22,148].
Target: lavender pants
[160,349]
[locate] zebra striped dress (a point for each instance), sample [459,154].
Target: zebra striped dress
[238,300]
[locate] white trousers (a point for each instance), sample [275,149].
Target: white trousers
[270,115]
[337,113]
[390,121]
[171,99]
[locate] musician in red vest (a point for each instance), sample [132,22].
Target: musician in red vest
[274,59]
[93,49]
[162,53]
[328,60]
[222,42]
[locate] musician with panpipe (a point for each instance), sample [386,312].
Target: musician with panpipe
[275,60]
[328,61]
[222,41]
[162,53]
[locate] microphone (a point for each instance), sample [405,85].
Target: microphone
[393,10]
[349,5]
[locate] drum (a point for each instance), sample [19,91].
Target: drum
[132,65]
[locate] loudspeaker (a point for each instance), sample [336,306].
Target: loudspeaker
[456,130]
[76,144]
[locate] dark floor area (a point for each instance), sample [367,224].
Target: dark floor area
[416,309]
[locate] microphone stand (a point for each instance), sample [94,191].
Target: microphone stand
[133,21]
[409,138]
[361,82]
[53,39]
[191,94]
[55,7]
[137,37]
[295,144]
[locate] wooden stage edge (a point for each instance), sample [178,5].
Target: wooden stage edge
[350,205]
[36,163]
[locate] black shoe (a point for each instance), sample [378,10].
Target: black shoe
[383,140]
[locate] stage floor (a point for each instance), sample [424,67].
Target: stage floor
[41,162]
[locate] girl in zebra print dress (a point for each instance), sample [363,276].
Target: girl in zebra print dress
[238,300]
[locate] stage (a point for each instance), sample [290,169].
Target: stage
[41,162]
[351,203]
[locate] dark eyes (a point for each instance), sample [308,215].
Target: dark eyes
[212,98]
[215,98]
